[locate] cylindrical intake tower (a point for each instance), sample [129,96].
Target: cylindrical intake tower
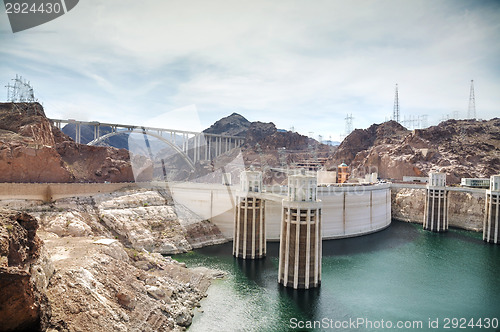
[249,222]
[300,235]
[491,216]
[436,204]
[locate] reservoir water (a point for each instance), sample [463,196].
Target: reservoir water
[401,275]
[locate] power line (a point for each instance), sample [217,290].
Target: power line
[415,121]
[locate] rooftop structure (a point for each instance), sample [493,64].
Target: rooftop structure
[495,183]
[419,179]
[437,179]
[475,182]
[251,181]
[342,173]
[302,188]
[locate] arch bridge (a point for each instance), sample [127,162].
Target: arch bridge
[191,145]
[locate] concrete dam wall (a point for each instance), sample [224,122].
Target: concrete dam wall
[346,211]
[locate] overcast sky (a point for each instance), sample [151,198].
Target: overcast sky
[304,64]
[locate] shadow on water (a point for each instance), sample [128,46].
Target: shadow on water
[253,269]
[467,236]
[306,300]
[396,235]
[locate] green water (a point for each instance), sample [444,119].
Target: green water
[398,275]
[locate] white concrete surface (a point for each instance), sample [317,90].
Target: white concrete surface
[346,211]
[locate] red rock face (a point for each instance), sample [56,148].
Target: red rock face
[22,163]
[33,150]
[23,304]
[96,163]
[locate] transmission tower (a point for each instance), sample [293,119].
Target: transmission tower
[21,91]
[471,114]
[395,112]
[348,124]
[423,121]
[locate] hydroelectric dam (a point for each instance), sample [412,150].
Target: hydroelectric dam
[299,215]
[346,211]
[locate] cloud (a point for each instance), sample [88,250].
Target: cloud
[296,63]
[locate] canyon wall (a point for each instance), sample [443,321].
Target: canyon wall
[25,270]
[465,209]
[110,273]
[459,148]
[32,149]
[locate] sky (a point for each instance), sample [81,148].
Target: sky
[302,64]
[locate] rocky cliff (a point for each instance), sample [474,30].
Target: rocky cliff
[263,135]
[265,147]
[25,270]
[101,286]
[267,137]
[141,219]
[461,148]
[33,150]
[232,125]
[465,210]
[109,273]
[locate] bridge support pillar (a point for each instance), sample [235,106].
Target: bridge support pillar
[78,133]
[249,240]
[300,237]
[436,204]
[491,232]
